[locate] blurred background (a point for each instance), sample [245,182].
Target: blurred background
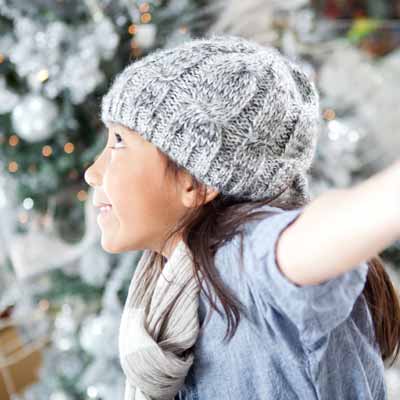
[61,295]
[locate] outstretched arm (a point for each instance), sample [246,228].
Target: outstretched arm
[342,228]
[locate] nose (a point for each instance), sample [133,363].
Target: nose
[92,177]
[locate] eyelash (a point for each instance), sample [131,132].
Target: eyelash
[113,147]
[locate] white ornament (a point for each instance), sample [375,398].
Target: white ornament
[34,118]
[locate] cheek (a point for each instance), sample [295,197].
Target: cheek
[136,190]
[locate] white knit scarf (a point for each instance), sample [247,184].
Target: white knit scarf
[150,352]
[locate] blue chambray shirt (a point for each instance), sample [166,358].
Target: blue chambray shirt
[298,342]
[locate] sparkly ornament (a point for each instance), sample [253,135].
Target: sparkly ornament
[66,325]
[34,118]
[94,266]
[291,4]
[105,29]
[347,76]
[102,390]
[336,157]
[378,110]
[263,15]
[99,336]
[60,395]
[392,379]
[37,390]
[55,56]
[81,73]
[39,249]
[101,380]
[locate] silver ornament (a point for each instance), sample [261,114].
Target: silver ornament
[34,118]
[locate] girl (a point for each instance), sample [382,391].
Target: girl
[204,169]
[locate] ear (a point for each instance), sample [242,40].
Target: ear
[211,193]
[192,197]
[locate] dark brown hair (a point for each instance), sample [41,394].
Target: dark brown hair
[213,223]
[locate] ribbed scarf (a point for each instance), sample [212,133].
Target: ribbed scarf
[152,354]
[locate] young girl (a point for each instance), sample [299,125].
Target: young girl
[209,143]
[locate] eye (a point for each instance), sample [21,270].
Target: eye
[119,140]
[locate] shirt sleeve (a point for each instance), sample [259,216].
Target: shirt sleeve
[315,309]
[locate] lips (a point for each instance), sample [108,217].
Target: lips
[105,208]
[102,204]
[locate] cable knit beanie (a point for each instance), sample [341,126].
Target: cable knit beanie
[239,116]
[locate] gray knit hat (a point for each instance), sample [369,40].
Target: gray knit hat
[238,115]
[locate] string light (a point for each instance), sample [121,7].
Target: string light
[47,151]
[145,18]
[73,174]
[82,195]
[13,140]
[23,217]
[28,203]
[46,220]
[132,29]
[329,114]
[136,50]
[144,7]
[43,75]
[69,147]
[32,168]
[44,304]
[92,392]
[13,166]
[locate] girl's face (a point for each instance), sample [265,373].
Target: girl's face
[144,203]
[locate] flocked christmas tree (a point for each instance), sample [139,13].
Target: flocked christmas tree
[56,61]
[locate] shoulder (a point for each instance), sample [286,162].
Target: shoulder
[258,235]
[268,226]
[258,229]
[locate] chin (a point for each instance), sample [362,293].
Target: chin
[111,247]
[114,247]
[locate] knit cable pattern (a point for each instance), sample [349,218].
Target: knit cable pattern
[239,116]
